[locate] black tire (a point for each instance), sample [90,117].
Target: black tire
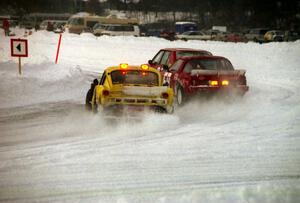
[159,109]
[88,100]
[94,107]
[180,96]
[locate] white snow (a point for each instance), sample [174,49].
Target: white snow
[241,150]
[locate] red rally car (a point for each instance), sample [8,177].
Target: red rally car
[195,75]
[166,57]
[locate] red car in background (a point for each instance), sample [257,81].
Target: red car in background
[235,37]
[199,75]
[166,57]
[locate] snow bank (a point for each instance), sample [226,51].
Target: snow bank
[267,65]
[41,83]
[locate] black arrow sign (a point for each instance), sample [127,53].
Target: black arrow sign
[19,47]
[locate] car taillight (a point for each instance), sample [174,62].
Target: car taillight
[105,93]
[213,83]
[144,73]
[165,95]
[225,82]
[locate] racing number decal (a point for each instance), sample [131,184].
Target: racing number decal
[167,78]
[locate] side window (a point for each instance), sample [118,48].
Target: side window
[176,65]
[188,68]
[80,21]
[103,78]
[165,58]
[90,24]
[157,58]
[223,65]
[128,28]
[227,65]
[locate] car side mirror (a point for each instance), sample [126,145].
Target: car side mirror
[165,67]
[150,62]
[95,82]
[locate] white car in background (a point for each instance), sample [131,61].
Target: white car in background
[118,30]
[193,35]
[99,28]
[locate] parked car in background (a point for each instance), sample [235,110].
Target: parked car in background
[98,29]
[77,23]
[235,37]
[166,34]
[51,25]
[216,34]
[166,57]
[274,36]
[256,34]
[121,30]
[193,35]
[59,26]
[291,36]
[181,27]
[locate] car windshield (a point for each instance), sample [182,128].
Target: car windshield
[192,53]
[211,64]
[134,77]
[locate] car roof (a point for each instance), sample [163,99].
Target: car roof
[187,58]
[130,67]
[184,49]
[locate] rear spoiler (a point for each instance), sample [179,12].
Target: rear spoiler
[218,72]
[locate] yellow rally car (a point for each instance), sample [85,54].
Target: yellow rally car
[134,88]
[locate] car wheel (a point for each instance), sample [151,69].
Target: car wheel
[95,107]
[278,39]
[180,98]
[159,109]
[88,99]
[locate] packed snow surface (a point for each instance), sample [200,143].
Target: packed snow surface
[236,150]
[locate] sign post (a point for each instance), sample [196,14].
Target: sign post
[58,47]
[20,67]
[19,48]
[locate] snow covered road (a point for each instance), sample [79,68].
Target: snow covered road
[244,150]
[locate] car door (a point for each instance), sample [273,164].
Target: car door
[184,76]
[165,60]
[171,77]
[155,62]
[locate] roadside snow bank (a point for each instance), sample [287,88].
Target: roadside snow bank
[39,83]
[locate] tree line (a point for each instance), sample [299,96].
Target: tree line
[267,12]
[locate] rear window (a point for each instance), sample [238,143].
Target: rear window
[118,28]
[134,77]
[211,64]
[192,53]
